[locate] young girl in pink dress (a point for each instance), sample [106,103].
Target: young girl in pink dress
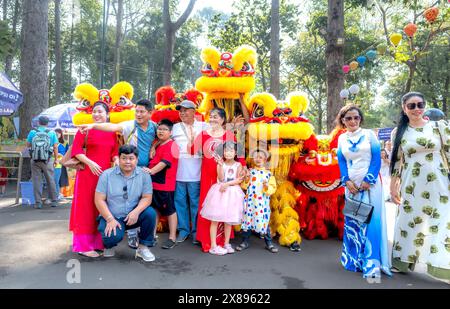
[225,200]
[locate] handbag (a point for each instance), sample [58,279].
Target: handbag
[358,210]
[69,162]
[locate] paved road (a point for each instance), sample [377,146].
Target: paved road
[35,246]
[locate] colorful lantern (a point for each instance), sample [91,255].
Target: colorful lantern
[371,55]
[361,60]
[344,94]
[346,68]
[354,89]
[395,39]
[354,65]
[431,14]
[410,29]
[381,49]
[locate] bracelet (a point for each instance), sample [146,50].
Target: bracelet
[109,219]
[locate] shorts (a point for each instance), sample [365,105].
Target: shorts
[163,202]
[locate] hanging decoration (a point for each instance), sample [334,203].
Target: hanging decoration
[344,94]
[361,60]
[431,14]
[381,49]
[354,89]
[354,65]
[346,68]
[395,39]
[371,55]
[410,29]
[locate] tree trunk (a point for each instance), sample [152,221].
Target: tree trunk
[263,75]
[275,49]
[412,71]
[170,30]
[334,59]
[119,17]
[33,62]
[58,53]
[9,58]
[5,9]
[71,44]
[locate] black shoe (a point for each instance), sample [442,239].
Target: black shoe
[295,247]
[168,244]
[133,242]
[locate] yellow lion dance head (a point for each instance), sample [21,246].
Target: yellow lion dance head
[118,98]
[225,77]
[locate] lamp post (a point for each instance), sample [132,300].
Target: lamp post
[102,64]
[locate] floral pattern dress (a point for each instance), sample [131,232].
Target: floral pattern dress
[422,232]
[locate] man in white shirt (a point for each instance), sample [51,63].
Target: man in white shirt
[187,190]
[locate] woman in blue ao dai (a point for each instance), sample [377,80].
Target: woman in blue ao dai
[365,245]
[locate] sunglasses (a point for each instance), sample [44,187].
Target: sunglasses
[349,118]
[125,194]
[419,105]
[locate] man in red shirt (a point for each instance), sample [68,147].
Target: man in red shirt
[163,168]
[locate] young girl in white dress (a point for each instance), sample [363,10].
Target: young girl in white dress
[225,200]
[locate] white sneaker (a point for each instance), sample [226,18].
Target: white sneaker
[145,254]
[109,252]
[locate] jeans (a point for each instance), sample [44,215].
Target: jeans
[37,169]
[187,195]
[57,177]
[147,222]
[267,238]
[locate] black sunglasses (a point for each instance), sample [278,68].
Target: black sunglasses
[419,105]
[350,118]
[125,194]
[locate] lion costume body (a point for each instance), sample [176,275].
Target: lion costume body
[280,127]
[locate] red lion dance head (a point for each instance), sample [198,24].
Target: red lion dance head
[167,100]
[317,177]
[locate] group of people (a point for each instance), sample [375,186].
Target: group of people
[182,171]
[47,147]
[419,186]
[190,172]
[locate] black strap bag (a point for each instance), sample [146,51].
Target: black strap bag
[357,209]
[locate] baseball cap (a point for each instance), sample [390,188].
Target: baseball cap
[186,104]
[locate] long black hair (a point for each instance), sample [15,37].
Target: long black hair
[401,127]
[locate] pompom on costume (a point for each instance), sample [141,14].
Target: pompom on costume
[280,127]
[316,175]
[167,100]
[225,76]
[118,98]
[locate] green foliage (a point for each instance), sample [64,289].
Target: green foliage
[6,41]
[251,25]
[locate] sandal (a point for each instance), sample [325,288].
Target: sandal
[272,248]
[244,245]
[90,254]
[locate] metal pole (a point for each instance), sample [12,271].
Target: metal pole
[19,178]
[102,78]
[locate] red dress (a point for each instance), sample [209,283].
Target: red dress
[206,144]
[3,174]
[101,148]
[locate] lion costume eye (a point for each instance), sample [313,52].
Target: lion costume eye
[247,68]
[258,111]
